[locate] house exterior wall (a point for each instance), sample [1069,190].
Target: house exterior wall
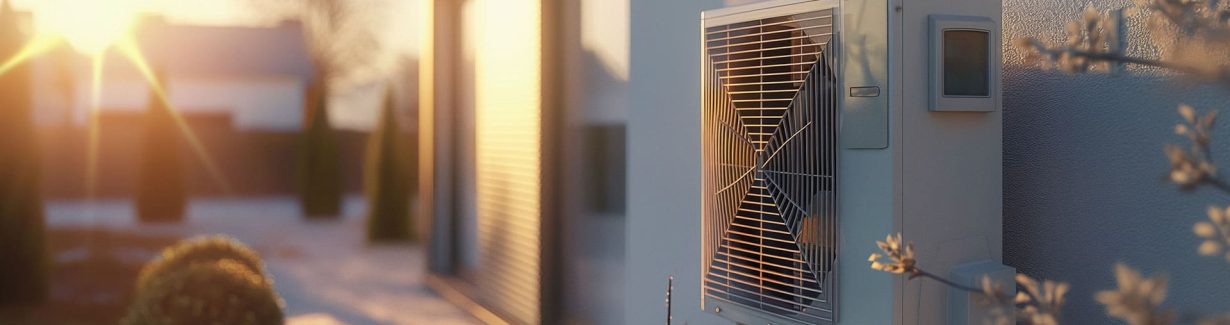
[593,145]
[950,166]
[1083,170]
[254,103]
[259,75]
[663,229]
[486,164]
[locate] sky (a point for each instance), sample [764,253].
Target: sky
[604,32]
[223,12]
[356,102]
[399,30]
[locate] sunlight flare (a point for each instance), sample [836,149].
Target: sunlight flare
[39,44]
[128,47]
[89,26]
[93,131]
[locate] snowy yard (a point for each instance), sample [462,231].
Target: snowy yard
[325,270]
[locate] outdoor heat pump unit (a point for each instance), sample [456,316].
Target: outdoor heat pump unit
[827,124]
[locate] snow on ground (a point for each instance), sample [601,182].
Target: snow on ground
[324,270]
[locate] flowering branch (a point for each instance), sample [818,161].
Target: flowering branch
[1193,34]
[1137,301]
[920,273]
[1039,304]
[1193,167]
[1075,55]
[1216,232]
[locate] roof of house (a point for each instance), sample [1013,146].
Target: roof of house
[225,50]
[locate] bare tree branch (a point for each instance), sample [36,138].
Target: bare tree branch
[342,36]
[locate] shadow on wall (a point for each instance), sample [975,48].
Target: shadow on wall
[1083,170]
[1084,188]
[594,244]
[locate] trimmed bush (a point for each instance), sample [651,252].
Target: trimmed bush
[386,181]
[319,171]
[199,250]
[161,194]
[23,242]
[207,293]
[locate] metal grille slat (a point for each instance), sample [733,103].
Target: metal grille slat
[754,67]
[778,265]
[768,22]
[799,29]
[753,276]
[792,302]
[771,240]
[761,50]
[760,40]
[804,318]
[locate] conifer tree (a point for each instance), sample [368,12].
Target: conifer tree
[23,243]
[162,194]
[387,180]
[319,168]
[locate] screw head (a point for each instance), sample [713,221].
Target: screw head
[717,309]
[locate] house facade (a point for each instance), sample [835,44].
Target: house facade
[242,90]
[257,75]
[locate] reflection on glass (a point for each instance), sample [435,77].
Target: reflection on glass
[966,64]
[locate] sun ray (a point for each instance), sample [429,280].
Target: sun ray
[127,46]
[95,109]
[39,44]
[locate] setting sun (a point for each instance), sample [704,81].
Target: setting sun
[90,26]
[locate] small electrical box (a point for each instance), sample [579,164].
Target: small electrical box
[964,65]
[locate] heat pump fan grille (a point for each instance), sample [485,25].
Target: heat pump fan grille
[770,157]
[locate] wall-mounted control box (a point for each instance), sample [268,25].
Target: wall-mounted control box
[964,63]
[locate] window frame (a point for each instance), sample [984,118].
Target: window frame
[938,100]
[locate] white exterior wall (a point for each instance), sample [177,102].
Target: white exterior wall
[271,104]
[663,230]
[256,103]
[869,186]
[950,167]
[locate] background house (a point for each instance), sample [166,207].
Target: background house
[243,90]
[256,75]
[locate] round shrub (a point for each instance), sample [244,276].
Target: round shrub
[207,293]
[200,250]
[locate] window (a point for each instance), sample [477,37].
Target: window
[966,65]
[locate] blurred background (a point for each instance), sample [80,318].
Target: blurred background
[294,129]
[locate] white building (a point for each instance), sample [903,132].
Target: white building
[257,75]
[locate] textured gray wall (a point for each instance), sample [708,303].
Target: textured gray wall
[1083,170]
